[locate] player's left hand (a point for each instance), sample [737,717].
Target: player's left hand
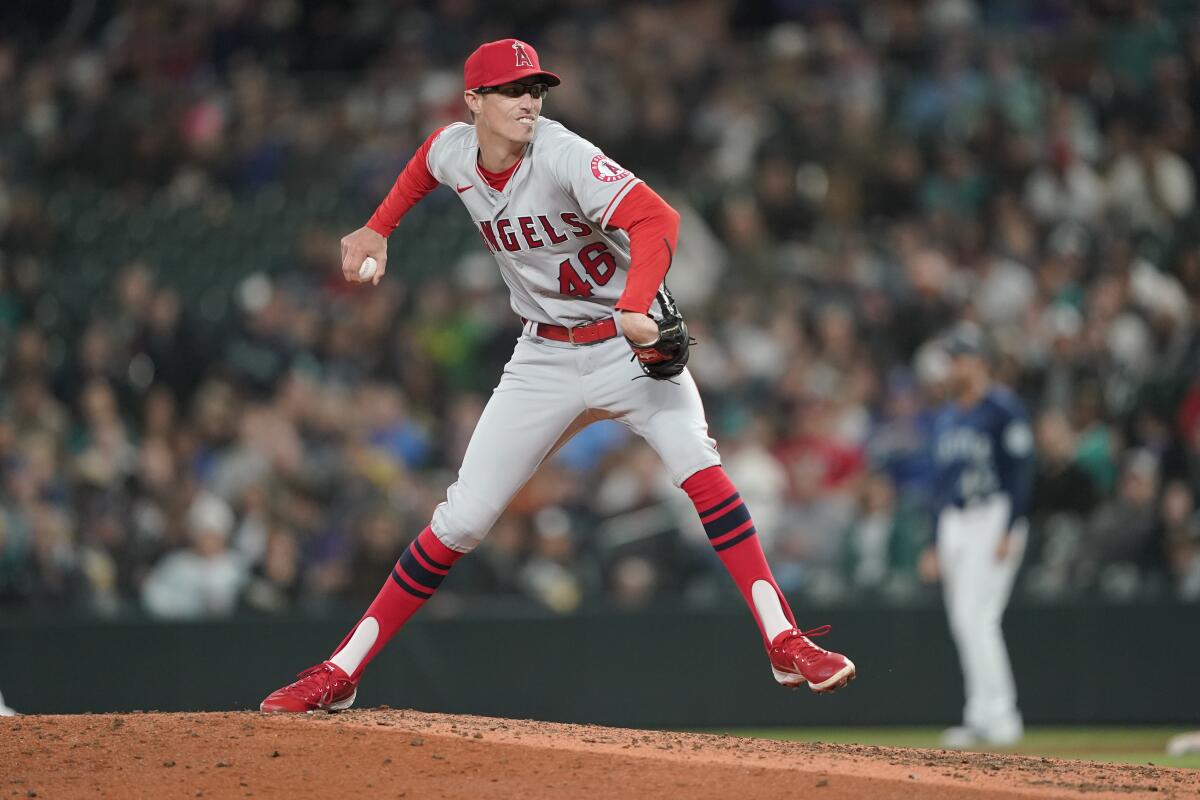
[661,347]
[1013,539]
[1004,547]
[639,329]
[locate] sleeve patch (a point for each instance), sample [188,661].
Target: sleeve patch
[1018,439]
[606,170]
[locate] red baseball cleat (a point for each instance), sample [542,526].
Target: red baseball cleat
[325,687]
[795,660]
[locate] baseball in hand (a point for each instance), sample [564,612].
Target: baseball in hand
[367,270]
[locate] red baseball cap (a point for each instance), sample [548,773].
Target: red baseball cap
[503,61]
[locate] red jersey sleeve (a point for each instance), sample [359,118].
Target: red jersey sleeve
[413,183]
[653,228]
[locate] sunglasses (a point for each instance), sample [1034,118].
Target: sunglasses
[514,90]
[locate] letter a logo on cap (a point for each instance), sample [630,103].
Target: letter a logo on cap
[522,56]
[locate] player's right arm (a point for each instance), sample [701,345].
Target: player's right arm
[413,183]
[940,494]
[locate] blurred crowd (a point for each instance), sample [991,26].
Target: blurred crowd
[854,178]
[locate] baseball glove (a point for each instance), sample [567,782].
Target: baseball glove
[666,356]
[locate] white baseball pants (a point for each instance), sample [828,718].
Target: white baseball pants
[550,391]
[976,587]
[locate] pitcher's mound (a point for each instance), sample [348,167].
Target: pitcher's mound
[408,754]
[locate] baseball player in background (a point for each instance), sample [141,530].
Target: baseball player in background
[584,247]
[983,454]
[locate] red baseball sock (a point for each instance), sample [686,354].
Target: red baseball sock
[415,578]
[731,532]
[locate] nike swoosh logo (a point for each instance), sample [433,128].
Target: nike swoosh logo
[462,189]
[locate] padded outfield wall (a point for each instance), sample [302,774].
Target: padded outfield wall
[1074,665]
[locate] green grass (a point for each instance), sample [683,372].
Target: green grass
[1128,745]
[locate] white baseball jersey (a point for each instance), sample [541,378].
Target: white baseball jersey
[547,228]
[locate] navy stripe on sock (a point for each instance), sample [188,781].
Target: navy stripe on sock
[727,501]
[730,520]
[746,534]
[427,579]
[414,592]
[421,551]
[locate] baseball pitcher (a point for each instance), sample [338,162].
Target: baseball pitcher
[983,454]
[584,247]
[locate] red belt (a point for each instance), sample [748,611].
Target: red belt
[593,332]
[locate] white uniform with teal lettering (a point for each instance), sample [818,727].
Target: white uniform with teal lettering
[547,231]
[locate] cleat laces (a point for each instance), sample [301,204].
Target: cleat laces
[314,685]
[798,647]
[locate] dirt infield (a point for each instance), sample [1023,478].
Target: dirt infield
[407,754]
